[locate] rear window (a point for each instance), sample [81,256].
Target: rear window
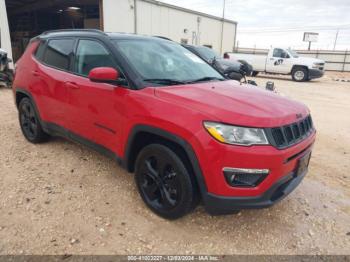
[40,51]
[58,53]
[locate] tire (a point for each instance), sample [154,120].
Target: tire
[30,123]
[255,73]
[300,74]
[164,183]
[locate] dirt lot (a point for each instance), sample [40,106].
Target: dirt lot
[60,197]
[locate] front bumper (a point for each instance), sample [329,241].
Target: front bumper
[219,197]
[315,73]
[216,205]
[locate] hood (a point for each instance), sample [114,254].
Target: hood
[309,60]
[232,103]
[225,63]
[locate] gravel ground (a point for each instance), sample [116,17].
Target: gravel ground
[62,198]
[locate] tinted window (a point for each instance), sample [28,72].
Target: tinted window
[40,51]
[91,54]
[277,52]
[58,53]
[207,53]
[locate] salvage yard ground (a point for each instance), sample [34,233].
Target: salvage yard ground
[62,198]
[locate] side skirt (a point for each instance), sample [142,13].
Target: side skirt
[56,130]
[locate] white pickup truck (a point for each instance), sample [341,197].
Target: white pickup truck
[283,61]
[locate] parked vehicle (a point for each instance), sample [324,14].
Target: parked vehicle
[186,132]
[283,61]
[6,74]
[236,70]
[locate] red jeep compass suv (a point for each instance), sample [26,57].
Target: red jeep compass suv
[187,133]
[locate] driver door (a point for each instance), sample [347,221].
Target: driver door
[279,62]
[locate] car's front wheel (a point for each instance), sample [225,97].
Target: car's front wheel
[164,183]
[29,122]
[300,74]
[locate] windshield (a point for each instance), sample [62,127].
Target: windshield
[164,60]
[293,53]
[207,53]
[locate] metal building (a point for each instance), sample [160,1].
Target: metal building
[20,20]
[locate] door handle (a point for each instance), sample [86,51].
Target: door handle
[71,85]
[35,73]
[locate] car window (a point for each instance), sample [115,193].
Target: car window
[207,53]
[58,53]
[91,54]
[164,60]
[40,50]
[280,53]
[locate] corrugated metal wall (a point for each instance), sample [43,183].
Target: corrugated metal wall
[4,31]
[176,23]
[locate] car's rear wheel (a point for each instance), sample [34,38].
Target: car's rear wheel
[29,122]
[300,74]
[164,182]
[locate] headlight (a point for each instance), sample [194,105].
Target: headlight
[317,65]
[236,135]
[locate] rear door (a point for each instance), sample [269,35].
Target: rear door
[279,62]
[48,77]
[95,109]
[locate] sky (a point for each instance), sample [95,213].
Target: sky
[266,23]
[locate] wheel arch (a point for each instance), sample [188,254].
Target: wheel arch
[22,93]
[143,135]
[296,66]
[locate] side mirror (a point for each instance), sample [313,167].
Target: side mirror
[104,75]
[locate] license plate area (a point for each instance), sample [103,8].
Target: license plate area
[303,164]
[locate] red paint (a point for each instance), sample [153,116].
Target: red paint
[77,104]
[101,74]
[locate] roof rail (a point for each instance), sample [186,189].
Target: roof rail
[74,30]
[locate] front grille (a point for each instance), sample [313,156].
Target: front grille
[285,136]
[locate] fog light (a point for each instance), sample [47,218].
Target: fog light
[243,177]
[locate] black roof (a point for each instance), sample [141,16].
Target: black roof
[94,32]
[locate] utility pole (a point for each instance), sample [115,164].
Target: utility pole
[336,38]
[222,27]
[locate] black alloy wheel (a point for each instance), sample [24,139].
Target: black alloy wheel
[163,182]
[29,122]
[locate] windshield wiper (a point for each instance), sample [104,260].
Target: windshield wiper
[203,79]
[164,81]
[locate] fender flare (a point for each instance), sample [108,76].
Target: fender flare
[173,138]
[294,66]
[28,94]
